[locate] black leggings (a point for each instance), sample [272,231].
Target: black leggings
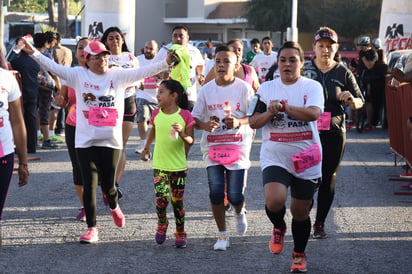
[98,164]
[333,146]
[6,172]
[70,132]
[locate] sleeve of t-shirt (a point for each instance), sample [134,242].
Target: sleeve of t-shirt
[188,118]
[14,92]
[154,113]
[199,107]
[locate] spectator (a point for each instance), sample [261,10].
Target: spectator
[146,97]
[41,43]
[61,55]
[264,60]
[287,112]
[255,43]
[29,70]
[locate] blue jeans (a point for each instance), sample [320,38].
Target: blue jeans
[235,181]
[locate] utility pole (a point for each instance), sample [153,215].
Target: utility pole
[292,32]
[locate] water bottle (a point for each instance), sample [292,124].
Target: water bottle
[20,44]
[227,109]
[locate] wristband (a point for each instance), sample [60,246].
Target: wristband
[21,164]
[284,104]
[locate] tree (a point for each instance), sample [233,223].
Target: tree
[269,15]
[349,18]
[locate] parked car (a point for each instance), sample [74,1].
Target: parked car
[347,50]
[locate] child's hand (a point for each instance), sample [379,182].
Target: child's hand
[145,155]
[177,127]
[210,126]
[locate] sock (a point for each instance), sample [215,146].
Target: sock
[277,218]
[38,133]
[51,132]
[300,233]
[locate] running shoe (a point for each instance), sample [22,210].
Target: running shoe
[222,243]
[277,241]
[118,217]
[298,263]
[119,191]
[241,222]
[368,128]
[82,215]
[140,148]
[92,236]
[407,175]
[56,139]
[319,231]
[160,236]
[180,239]
[49,144]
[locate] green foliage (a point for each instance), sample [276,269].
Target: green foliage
[40,6]
[350,18]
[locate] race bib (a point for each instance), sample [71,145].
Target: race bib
[224,155]
[102,116]
[324,121]
[308,158]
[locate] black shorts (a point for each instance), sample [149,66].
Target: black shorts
[299,188]
[130,109]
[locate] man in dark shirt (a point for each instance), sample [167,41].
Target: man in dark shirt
[28,69]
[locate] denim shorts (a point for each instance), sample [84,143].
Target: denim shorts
[235,181]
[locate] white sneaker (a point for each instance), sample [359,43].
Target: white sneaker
[241,222]
[140,148]
[222,242]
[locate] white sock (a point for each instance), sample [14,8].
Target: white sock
[51,132]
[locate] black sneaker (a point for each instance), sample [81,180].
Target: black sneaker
[119,191]
[319,231]
[49,144]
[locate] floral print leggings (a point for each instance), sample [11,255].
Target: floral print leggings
[166,184]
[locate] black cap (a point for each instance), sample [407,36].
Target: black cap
[326,34]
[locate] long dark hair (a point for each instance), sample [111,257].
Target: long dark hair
[114,29]
[175,86]
[292,45]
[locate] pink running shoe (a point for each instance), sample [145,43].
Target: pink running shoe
[118,217]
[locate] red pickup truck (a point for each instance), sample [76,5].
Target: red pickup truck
[347,50]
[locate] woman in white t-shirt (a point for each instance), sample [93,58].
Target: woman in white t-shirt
[287,110]
[99,117]
[120,56]
[12,133]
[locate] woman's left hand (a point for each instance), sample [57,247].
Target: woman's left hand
[23,174]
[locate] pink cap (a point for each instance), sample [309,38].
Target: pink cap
[95,48]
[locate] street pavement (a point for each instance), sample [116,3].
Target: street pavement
[369,227]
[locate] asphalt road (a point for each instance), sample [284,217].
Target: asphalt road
[369,228]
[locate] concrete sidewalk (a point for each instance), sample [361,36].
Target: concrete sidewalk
[369,228]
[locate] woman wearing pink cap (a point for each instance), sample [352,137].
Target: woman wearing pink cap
[99,114]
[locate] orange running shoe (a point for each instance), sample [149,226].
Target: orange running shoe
[276,242]
[298,263]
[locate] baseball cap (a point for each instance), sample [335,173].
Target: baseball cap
[95,48]
[326,33]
